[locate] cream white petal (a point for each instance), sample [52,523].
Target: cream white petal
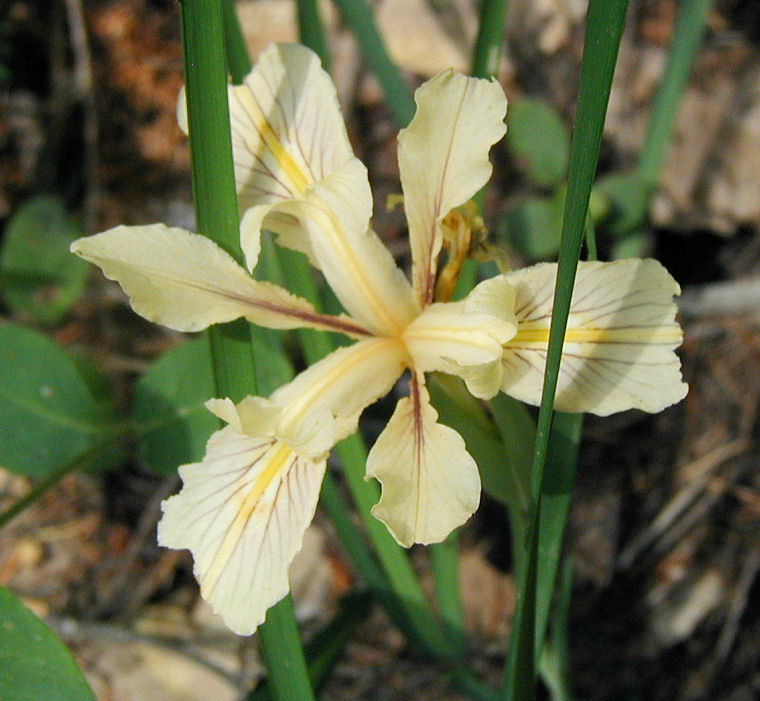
[287,128]
[322,404]
[430,483]
[270,217]
[443,159]
[466,338]
[186,282]
[335,214]
[619,346]
[287,133]
[242,512]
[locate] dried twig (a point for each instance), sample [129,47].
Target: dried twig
[687,495]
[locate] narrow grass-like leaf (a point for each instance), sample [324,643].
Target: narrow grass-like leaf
[517,431]
[326,645]
[216,214]
[690,26]
[561,460]
[358,16]
[356,546]
[485,64]
[555,657]
[604,26]
[34,663]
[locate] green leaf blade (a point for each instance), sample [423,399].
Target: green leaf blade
[169,403]
[34,663]
[42,280]
[537,136]
[47,415]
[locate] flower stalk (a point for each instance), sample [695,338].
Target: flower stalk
[217,217]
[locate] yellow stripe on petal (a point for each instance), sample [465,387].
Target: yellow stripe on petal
[287,129]
[242,512]
[528,337]
[619,345]
[322,405]
[430,483]
[466,338]
[274,460]
[361,271]
[287,134]
[297,174]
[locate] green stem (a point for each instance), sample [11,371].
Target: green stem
[604,28]
[487,53]
[326,645]
[311,30]
[238,61]
[445,563]
[216,215]
[690,27]
[358,15]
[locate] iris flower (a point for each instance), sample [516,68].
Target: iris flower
[243,509]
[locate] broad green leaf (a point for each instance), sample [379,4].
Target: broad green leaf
[501,463]
[34,663]
[517,430]
[637,244]
[36,246]
[626,200]
[273,368]
[47,414]
[170,399]
[539,139]
[169,410]
[533,226]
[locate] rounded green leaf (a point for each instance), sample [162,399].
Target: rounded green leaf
[41,279]
[170,399]
[34,663]
[273,368]
[533,227]
[539,139]
[625,197]
[47,414]
[169,407]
